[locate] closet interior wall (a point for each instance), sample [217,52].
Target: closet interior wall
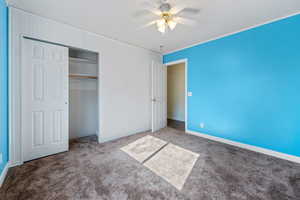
[83,93]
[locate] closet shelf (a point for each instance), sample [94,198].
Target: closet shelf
[83,76]
[82,60]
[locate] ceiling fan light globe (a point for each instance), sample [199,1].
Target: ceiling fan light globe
[160,23]
[172,24]
[162,29]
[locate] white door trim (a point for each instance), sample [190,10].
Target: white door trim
[185,61]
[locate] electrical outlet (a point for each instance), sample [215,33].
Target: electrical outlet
[190,94]
[202,125]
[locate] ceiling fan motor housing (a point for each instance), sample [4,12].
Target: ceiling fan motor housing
[165,7]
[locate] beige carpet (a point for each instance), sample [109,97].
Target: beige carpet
[93,171]
[144,147]
[173,164]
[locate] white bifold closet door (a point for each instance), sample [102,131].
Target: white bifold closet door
[159,99]
[45,94]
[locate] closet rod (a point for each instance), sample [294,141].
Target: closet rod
[83,60]
[82,76]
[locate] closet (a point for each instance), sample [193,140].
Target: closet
[83,93]
[59,97]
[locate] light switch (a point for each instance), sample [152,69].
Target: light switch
[190,94]
[201,125]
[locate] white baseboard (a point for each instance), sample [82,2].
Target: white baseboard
[109,139]
[3,174]
[276,154]
[176,119]
[15,164]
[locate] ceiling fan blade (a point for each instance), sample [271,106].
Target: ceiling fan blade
[186,21]
[152,7]
[188,11]
[177,9]
[148,24]
[142,13]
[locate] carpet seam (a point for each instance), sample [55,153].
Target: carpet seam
[156,152]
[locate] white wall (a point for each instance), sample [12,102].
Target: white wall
[124,77]
[176,92]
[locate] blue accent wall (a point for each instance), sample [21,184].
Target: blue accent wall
[246,87]
[3,83]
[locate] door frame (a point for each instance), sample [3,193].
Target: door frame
[185,61]
[16,72]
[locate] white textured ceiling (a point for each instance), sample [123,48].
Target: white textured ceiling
[114,18]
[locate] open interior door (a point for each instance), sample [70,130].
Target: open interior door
[158,96]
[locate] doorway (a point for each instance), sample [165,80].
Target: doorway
[176,95]
[169,95]
[83,93]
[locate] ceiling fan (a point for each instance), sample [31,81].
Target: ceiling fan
[168,14]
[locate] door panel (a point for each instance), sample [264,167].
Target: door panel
[38,128]
[159,114]
[44,75]
[57,126]
[38,83]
